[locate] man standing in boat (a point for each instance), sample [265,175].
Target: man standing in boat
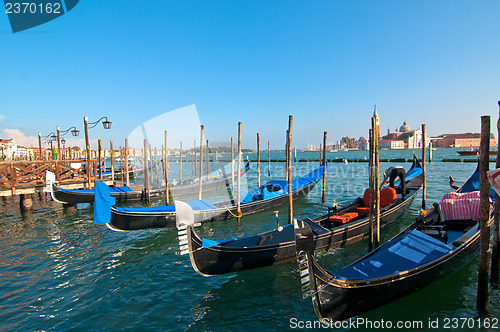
[392,173]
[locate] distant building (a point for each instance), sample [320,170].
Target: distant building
[468,140]
[404,138]
[362,143]
[8,149]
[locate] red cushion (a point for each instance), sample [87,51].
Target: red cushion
[350,215]
[366,197]
[387,196]
[341,219]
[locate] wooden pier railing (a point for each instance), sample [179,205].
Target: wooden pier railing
[19,175]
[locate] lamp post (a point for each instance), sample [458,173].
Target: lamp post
[48,138]
[40,145]
[106,124]
[74,132]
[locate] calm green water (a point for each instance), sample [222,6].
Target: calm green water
[58,271]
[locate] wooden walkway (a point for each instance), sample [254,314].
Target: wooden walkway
[28,177]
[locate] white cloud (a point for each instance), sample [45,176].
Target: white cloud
[20,137]
[2,117]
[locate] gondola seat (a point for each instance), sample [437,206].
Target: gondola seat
[387,196]
[341,219]
[460,206]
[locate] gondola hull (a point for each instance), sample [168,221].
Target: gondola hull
[216,260]
[341,299]
[275,246]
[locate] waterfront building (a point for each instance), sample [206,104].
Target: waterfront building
[467,140]
[8,149]
[404,138]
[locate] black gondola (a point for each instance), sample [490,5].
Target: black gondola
[433,246]
[210,257]
[127,194]
[272,194]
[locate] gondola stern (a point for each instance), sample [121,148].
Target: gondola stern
[113,228]
[311,273]
[304,240]
[189,244]
[50,182]
[189,241]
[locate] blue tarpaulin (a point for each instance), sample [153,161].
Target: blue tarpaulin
[102,203]
[195,205]
[280,187]
[400,254]
[123,189]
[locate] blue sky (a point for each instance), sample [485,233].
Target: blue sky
[327,63]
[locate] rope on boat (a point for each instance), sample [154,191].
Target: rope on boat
[241,213]
[319,185]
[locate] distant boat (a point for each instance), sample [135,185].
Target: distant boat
[471,152]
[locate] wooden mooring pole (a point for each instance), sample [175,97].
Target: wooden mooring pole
[146,173]
[289,154]
[99,158]
[232,163]
[495,250]
[239,174]
[484,185]
[40,147]
[201,161]
[180,166]
[377,181]
[26,202]
[370,177]
[157,166]
[87,148]
[127,175]
[207,165]
[269,157]
[424,189]
[258,160]
[323,188]
[286,155]
[165,170]
[112,161]
[195,165]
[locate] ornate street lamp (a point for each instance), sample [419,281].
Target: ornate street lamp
[89,125]
[74,132]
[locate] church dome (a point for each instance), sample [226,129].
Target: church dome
[404,128]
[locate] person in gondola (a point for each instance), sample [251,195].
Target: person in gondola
[391,174]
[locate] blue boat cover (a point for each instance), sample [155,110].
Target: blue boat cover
[403,253]
[123,189]
[102,203]
[472,184]
[280,187]
[195,205]
[260,240]
[412,173]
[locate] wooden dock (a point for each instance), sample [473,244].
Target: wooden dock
[28,177]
